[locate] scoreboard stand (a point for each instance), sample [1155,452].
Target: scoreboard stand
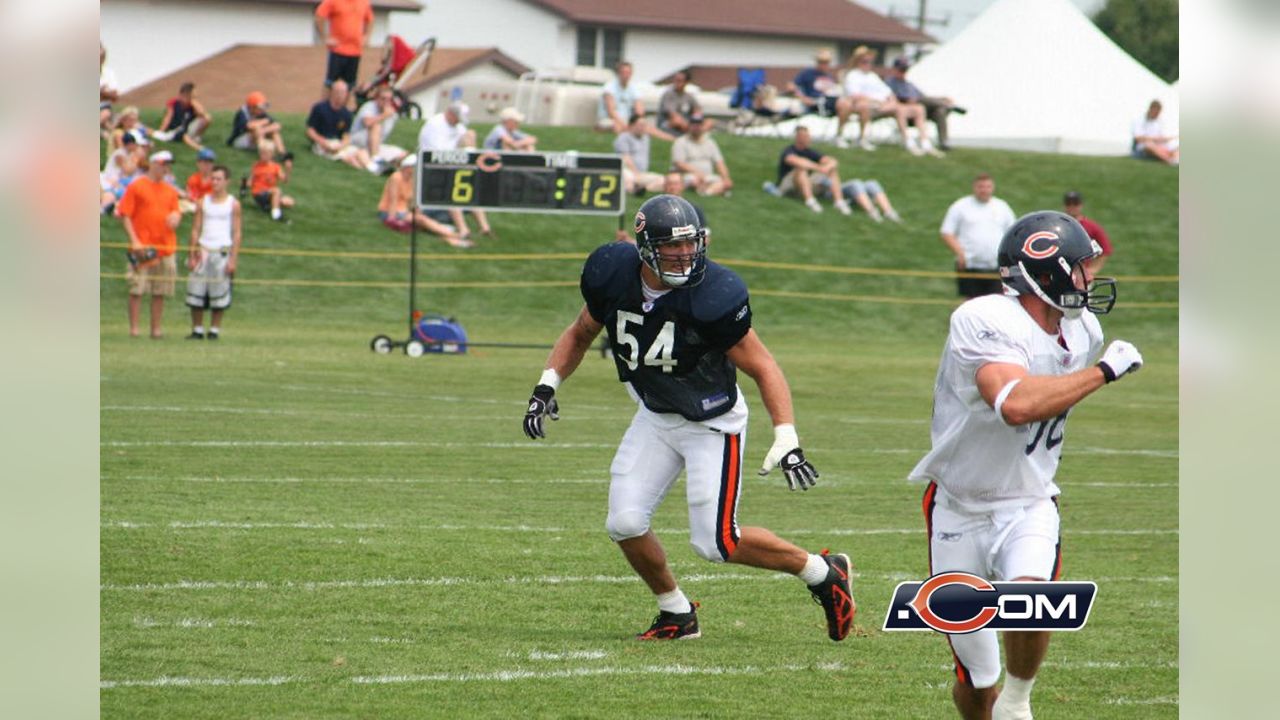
[539,182]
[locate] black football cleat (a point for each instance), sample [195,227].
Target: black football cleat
[835,595]
[673,626]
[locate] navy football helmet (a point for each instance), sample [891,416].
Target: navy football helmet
[665,220]
[1044,253]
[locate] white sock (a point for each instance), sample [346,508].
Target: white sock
[372,166]
[674,602]
[275,213]
[197,329]
[815,570]
[213,331]
[1016,692]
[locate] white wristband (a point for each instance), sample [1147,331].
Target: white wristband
[551,378]
[786,432]
[1004,395]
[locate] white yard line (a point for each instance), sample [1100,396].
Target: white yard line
[1163,700]
[166,681]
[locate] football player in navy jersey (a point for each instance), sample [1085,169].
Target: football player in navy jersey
[680,326]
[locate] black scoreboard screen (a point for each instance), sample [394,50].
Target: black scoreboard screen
[570,182]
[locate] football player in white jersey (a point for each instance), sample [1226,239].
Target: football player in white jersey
[1013,367]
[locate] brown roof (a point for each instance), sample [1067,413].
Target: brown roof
[718,77]
[377,4]
[447,62]
[291,76]
[822,19]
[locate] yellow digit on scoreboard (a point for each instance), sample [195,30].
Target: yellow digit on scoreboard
[463,189]
[608,183]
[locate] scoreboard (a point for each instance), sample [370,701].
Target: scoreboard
[548,182]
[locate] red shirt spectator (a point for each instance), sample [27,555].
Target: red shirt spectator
[1073,204]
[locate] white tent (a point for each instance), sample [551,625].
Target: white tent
[1038,75]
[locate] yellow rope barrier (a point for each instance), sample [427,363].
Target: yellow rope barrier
[762,264]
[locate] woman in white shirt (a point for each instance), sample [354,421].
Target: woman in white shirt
[872,98]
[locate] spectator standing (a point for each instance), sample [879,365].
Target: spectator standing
[818,90]
[252,125]
[184,119]
[618,101]
[200,183]
[215,247]
[329,130]
[801,169]
[872,98]
[265,180]
[348,25]
[1151,140]
[1073,204]
[677,105]
[633,146]
[394,207]
[935,108]
[373,125]
[698,157]
[448,131]
[150,215]
[506,135]
[972,230]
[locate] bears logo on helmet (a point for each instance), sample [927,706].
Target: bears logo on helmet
[1043,254]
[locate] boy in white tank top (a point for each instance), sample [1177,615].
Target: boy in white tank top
[215,248]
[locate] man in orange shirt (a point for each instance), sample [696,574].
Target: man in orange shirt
[265,179]
[150,214]
[350,22]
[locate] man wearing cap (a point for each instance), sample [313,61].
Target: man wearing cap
[349,23]
[506,135]
[936,108]
[872,98]
[972,230]
[448,131]
[818,89]
[698,156]
[252,125]
[150,215]
[200,183]
[373,125]
[1073,204]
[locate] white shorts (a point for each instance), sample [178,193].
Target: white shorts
[653,452]
[818,181]
[209,286]
[341,153]
[1002,545]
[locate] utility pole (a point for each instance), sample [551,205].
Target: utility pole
[921,18]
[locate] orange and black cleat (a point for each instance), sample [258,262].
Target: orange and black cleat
[673,626]
[835,595]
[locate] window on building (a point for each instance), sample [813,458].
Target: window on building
[599,47]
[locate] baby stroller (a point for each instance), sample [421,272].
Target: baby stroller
[398,61]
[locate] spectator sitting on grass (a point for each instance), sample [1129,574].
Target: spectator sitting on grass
[698,156]
[1151,140]
[633,146]
[129,124]
[265,179]
[252,125]
[802,170]
[871,197]
[618,101]
[677,105]
[506,135]
[329,130]
[393,207]
[124,164]
[184,119]
[373,125]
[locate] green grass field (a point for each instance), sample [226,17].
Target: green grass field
[293,526]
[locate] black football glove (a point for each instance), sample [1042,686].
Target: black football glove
[787,453]
[541,404]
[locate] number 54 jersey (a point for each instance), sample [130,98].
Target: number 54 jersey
[671,348]
[978,460]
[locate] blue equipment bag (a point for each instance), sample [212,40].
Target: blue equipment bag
[441,334]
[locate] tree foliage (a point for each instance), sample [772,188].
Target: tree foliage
[1146,29]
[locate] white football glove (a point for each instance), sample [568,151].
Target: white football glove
[1120,359]
[786,451]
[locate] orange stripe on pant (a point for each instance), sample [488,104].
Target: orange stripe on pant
[731,475]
